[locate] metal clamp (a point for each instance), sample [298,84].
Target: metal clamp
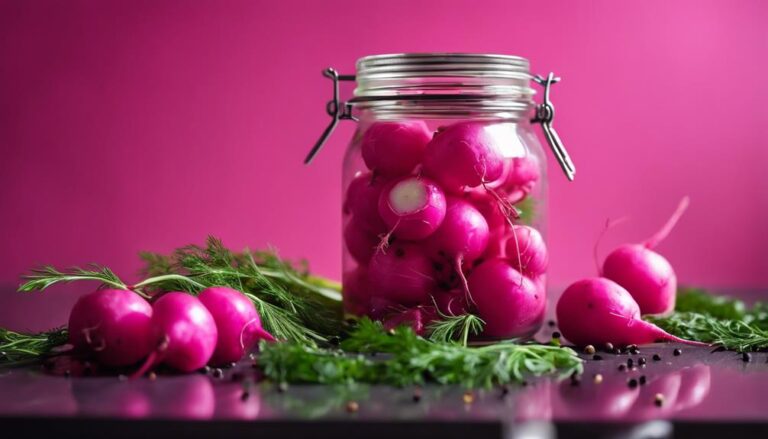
[545,114]
[335,108]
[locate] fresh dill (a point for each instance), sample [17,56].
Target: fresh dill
[410,359]
[455,328]
[16,346]
[720,320]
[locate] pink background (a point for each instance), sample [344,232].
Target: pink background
[148,125]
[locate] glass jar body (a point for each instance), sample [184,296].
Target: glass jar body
[443,217]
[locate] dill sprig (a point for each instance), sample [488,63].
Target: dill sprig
[735,335]
[720,320]
[411,359]
[41,278]
[292,304]
[455,328]
[16,346]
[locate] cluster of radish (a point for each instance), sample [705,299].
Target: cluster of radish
[633,281]
[431,226]
[185,332]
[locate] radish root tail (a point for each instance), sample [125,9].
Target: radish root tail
[659,236]
[595,250]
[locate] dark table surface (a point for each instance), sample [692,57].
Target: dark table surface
[703,392]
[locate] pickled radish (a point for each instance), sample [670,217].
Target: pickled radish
[356,292]
[395,148]
[510,304]
[361,239]
[461,238]
[463,155]
[527,252]
[403,274]
[412,207]
[362,200]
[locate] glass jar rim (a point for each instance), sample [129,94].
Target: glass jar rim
[487,81]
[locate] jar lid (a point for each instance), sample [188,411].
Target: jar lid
[463,75]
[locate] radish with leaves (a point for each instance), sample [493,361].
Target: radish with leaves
[412,207]
[237,323]
[394,148]
[115,326]
[598,311]
[647,275]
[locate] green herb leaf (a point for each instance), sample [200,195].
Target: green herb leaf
[455,328]
[44,277]
[16,346]
[409,359]
[720,320]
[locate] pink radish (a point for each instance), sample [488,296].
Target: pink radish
[237,322]
[416,318]
[464,154]
[356,293]
[185,333]
[598,310]
[380,308]
[462,237]
[362,200]
[521,175]
[402,274]
[361,240]
[487,205]
[647,275]
[394,148]
[412,207]
[528,243]
[510,304]
[112,325]
[451,303]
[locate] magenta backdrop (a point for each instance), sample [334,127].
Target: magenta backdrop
[129,125]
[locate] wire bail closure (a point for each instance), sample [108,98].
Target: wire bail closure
[335,109]
[545,114]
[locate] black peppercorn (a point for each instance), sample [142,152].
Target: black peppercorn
[597,357]
[218,373]
[656,357]
[642,380]
[746,357]
[641,361]
[677,352]
[630,363]
[622,367]
[632,383]
[609,347]
[616,351]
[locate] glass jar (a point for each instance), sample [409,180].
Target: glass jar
[445,191]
